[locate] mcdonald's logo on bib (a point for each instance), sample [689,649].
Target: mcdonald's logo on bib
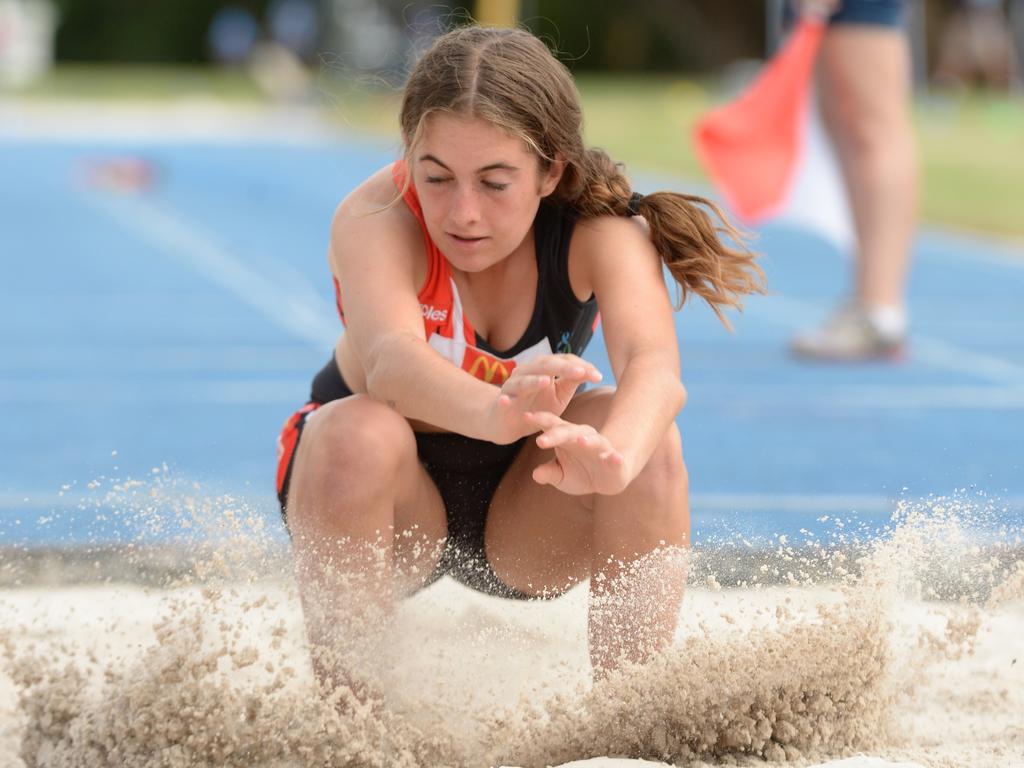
[487,368]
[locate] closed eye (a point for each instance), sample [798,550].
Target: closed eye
[437,179]
[495,186]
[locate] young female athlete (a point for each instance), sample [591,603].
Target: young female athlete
[449,433]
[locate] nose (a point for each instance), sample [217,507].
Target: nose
[465,209]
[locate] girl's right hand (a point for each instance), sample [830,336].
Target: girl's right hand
[547,383]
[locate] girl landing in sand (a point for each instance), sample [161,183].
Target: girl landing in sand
[448,434]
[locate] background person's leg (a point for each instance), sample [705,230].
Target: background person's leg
[865,94]
[864,87]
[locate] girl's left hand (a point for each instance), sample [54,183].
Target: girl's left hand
[585,462]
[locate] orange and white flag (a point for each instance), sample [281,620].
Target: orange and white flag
[767,153]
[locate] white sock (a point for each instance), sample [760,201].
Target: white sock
[890,320]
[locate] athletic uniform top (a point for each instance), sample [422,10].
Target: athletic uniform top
[560,322]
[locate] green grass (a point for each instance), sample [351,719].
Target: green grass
[971,148]
[645,123]
[972,160]
[144,82]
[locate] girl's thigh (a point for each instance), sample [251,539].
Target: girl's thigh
[357,477]
[538,539]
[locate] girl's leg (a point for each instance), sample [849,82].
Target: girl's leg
[632,546]
[366,522]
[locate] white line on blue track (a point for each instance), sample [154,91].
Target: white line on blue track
[13,502]
[296,307]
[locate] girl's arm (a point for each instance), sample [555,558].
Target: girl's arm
[374,254]
[614,257]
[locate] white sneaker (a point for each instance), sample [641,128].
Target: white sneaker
[848,335]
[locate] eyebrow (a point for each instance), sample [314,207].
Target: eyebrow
[499,166]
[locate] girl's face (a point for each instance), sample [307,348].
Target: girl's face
[479,188]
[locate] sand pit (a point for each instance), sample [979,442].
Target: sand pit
[913,655]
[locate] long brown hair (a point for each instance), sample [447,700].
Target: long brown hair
[510,78]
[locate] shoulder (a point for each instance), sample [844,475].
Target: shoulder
[605,246]
[605,232]
[377,199]
[374,216]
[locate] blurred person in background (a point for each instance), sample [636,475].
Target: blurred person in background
[864,87]
[276,57]
[281,63]
[295,24]
[446,434]
[977,47]
[232,35]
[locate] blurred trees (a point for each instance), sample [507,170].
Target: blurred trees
[675,35]
[653,34]
[691,36]
[171,31]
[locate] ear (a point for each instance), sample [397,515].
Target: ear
[549,180]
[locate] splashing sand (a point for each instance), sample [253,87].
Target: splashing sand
[911,648]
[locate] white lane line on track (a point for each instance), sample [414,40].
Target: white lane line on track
[802,503]
[927,398]
[295,308]
[279,391]
[871,398]
[999,252]
[791,502]
[252,359]
[77,499]
[953,358]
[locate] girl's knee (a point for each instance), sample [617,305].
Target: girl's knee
[358,436]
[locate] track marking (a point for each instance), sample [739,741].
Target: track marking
[296,308]
[802,503]
[972,248]
[791,502]
[929,398]
[102,391]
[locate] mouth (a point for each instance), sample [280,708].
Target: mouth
[465,240]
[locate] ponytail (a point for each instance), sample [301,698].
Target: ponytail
[706,256]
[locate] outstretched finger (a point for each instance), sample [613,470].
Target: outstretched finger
[567,366]
[563,434]
[549,473]
[544,419]
[612,458]
[597,445]
[528,384]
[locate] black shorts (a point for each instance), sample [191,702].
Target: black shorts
[466,472]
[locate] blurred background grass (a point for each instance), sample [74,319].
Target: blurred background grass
[970,144]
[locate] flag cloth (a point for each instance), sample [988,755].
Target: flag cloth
[766,151]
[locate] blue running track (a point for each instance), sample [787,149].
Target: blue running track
[181,326]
